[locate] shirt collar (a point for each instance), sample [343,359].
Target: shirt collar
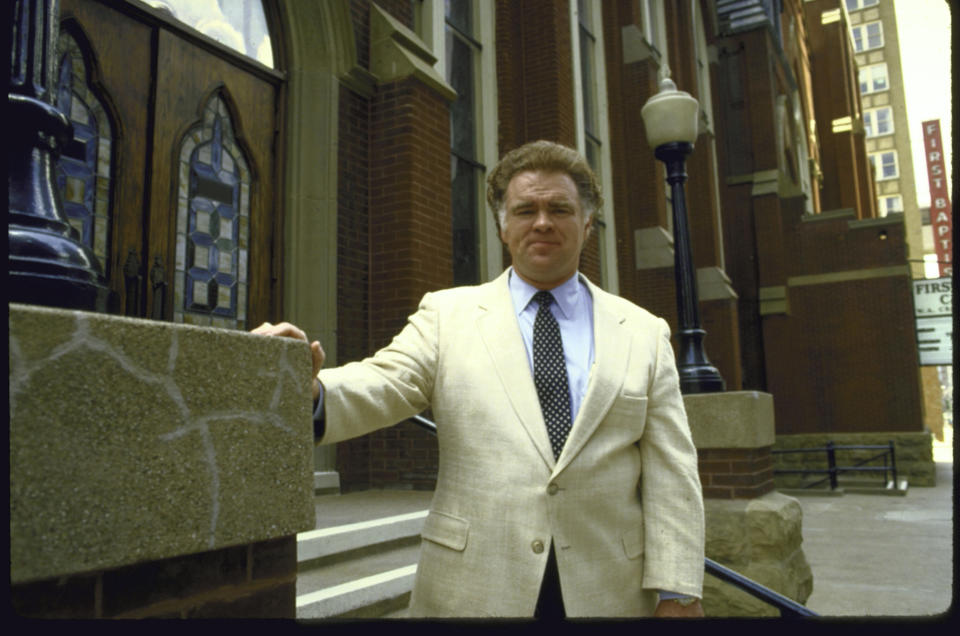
[566,295]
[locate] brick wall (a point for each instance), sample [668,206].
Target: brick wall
[534,72]
[735,473]
[394,241]
[844,358]
[353,219]
[248,581]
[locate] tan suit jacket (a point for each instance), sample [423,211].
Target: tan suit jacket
[622,505]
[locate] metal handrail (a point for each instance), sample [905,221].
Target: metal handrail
[788,607]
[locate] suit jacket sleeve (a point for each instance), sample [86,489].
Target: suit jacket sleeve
[389,387]
[670,484]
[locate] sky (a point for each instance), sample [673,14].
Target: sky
[924,33]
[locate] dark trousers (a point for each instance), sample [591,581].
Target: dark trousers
[550,601]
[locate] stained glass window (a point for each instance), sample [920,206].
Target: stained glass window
[83,169]
[213,223]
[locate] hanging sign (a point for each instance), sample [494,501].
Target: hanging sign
[940,214]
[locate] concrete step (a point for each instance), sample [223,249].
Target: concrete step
[368,585]
[362,569]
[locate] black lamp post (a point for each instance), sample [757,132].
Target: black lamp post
[48,265]
[670,118]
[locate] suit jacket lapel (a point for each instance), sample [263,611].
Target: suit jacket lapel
[500,333]
[611,352]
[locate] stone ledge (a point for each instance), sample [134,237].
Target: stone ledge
[134,440]
[734,419]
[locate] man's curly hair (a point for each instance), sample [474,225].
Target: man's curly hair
[550,157]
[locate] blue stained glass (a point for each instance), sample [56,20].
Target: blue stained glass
[77,167]
[83,170]
[212,225]
[210,287]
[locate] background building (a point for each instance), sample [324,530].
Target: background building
[324,164]
[873,27]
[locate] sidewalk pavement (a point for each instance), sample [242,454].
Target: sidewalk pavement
[883,555]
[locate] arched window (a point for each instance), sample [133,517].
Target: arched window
[239,24]
[83,171]
[213,223]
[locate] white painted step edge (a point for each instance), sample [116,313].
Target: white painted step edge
[326,541]
[345,597]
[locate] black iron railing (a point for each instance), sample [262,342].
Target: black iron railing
[833,471]
[788,607]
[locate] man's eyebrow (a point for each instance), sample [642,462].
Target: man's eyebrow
[553,201]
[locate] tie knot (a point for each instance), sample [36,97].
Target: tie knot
[543,298]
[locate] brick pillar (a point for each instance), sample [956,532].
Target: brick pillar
[411,247]
[409,229]
[751,528]
[411,244]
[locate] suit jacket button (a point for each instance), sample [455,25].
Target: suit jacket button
[537,546]
[552,489]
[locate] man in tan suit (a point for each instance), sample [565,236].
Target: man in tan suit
[568,480]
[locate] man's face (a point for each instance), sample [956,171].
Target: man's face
[544,227]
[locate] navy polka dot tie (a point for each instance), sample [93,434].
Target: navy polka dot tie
[550,374]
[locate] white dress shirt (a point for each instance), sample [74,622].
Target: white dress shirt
[573,309]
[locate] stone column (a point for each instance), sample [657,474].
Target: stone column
[751,528]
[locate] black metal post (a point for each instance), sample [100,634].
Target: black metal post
[832,465]
[48,264]
[697,375]
[893,465]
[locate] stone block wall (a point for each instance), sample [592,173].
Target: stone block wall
[761,539]
[913,452]
[156,469]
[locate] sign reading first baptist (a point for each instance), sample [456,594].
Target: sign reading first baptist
[940,213]
[933,304]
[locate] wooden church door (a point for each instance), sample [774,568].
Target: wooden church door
[172,175]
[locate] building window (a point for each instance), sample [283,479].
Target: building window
[885,165]
[238,24]
[463,52]
[588,84]
[867,36]
[592,130]
[878,121]
[891,204]
[213,223]
[873,79]
[854,5]
[83,171]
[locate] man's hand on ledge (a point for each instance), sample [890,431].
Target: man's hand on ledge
[287,330]
[669,608]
